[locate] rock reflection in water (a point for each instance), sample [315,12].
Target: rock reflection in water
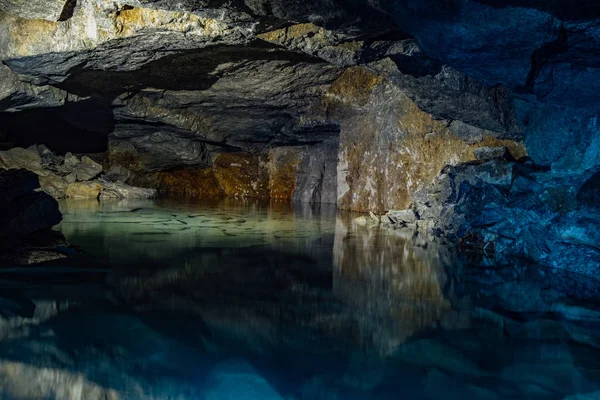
[392,280]
[225,300]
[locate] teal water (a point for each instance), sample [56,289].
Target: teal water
[268,301]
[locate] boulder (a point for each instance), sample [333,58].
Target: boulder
[87,169]
[490,153]
[29,213]
[120,190]
[84,190]
[18,157]
[70,163]
[402,217]
[55,185]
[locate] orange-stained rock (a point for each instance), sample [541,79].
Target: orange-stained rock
[242,175]
[84,190]
[389,148]
[284,163]
[408,278]
[187,183]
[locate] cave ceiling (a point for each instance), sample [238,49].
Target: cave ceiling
[253,74]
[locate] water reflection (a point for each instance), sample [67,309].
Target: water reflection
[251,300]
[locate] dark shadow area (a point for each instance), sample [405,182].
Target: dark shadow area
[569,10]
[79,127]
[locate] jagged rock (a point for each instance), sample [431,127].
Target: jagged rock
[384,161]
[242,175]
[70,162]
[87,170]
[84,190]
[49,159]
[157,151]
[120,190]
[50,10]
[403,217]
[186,183]
[19,157]
[118,173]
[16,95]
[490,153]
[316,176]
[55,185]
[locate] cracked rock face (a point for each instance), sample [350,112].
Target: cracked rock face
[360,103]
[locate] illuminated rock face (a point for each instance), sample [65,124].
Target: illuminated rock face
[389,148]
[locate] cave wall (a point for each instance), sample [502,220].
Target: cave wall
[373,105]
[390,148]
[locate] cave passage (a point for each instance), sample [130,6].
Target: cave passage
[299,199]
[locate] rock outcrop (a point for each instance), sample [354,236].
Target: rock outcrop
[69,176]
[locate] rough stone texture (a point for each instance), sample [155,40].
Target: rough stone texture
[509,210]
[316,181]
[84,190]
[54,185]
[88,169]
[18,158]
[389,148]
[156,151]
[490,153]
[120,190]
[242,175]
[16,95]
[50,10]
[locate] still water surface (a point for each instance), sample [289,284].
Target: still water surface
[258,301]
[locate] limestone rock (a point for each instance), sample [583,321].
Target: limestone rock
[383,162]
[50,10]
[87,170]
[18,157]
[16,95]
[402,217]
[242,175]
[120,190]
[186,183]
[84,190]
[55,185]
[490,153]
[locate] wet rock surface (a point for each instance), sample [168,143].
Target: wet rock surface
[508,210]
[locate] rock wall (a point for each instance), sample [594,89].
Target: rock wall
[389,148]
[358,103]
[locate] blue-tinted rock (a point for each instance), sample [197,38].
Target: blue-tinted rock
[238,380]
